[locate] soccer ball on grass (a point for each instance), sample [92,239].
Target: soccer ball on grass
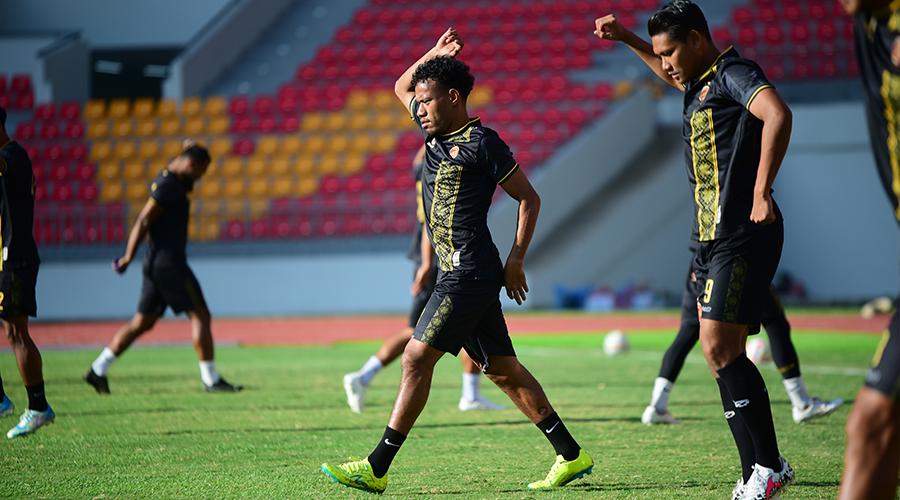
[615,343]
[758,351]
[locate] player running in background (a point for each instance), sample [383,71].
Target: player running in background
[736,131]
[168,281]
[804,406]
[872,458]
[464,163]
[420,252]
[18,276]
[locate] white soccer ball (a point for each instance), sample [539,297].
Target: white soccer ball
[615,343]
[758,351]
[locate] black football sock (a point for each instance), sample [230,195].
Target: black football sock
[384,453]
[563,442]
[751,402]
[2,392]
[37,400]
[741,436]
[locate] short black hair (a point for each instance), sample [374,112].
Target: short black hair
[197,154]
[677,19]
[2,117]
[449,72]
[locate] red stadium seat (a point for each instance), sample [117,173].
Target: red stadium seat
[25,131]
[722,36]
[87,192]
[20,82]
[742,16]
[799,34]
[59,173]
[76,152]
[23,101]
[44,112]
[263,104]
[773,35]
[74,130]
[53,152]
[238,106]
[69,110]
[49,131]
[62,192]
[747,37]
[826,31]
[84,172]
[244,147]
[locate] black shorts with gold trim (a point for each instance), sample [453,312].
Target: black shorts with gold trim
[734,274]
[452,321]
[884,376]
[17,291]
[169,283]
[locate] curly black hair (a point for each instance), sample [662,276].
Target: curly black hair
[449,72]
[677,19]
[197,154]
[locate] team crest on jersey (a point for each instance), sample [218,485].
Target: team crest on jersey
[454,152]
[703,92]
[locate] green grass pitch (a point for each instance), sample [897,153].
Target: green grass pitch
[160,436]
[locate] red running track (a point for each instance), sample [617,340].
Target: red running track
[330,329]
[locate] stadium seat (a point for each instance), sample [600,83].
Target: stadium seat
[125,150]
[24,131]
[170,126]
[256,166]
[45,112]
[73,130]
[238,106]
[69,110]
[121,128]
[166,108]
[76,152]
[97,129]
[191,106]
[172,148]
[111,192]
[194,126]
[218,125]
[134,171]
[118,108]
[52,152]
[143,107]
[94,109]
[59,173]
[20,82]
[148,149]
[84,172]
[87,192]
[263,104]
[215,105]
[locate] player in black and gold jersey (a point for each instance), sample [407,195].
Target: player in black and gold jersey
[872,458]
[736,131]
[464,163]
[425,276]
[168,281]
[19,264]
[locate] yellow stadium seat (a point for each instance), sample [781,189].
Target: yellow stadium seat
[119,108]
[306,186]
[220,147]
[315,144]
[357,100]
[218,125]
[100,150]
[384,119]
[125,150]
[121,128]
[143,106]
[210,228]
[194,126]
[386,141]
[361,143]
[312,121]
[281,187]
[145,127]
[215,105]
[281,165]
[231,167]
[259,188]
[337,143]
[133,171]
[170,126]
[111,191]
[137,190]
[335,122]
[234,188]
[210,188]
[404,122]
[328,164]
[166,108]
[353,163]
[267,145]
[305,165]
[97,129]
[172,148]
[191,106]
[108,171]
[291,145]
[385,99]
[256,166]
[94,109]
[149,148]
[155,168]
[359,121]
[481,96]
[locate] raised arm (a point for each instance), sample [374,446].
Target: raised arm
[609,28]
[769,107]
[520,189]
[449,44]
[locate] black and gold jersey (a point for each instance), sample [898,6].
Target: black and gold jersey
[876,37]
[460,174]
[17,185]
[168,234]
[722,146]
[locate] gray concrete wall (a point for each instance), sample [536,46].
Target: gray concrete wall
[112,23]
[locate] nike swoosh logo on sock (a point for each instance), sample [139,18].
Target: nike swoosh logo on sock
[548,431]
[389,443]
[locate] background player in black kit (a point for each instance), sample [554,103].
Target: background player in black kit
[803,406]
[736,130]
[464,163]
[872,458]
[19,264]
[168,281]
[421,252]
